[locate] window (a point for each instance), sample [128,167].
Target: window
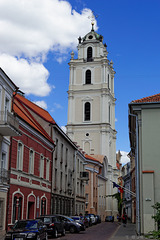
[89,54]
[66,157]
[62,153]
[109,115]
[56,149]
[31,162]
[41,166]
[7,103]
[47,169]
[88,77]
[108,82]
[55,179]
[3,161]
[87,111]
[19,156]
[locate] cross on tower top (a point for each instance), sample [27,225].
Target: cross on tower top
[92,17]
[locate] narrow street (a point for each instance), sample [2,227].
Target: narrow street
[102,231]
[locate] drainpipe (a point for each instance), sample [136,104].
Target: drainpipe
[137,176]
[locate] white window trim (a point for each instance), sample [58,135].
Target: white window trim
[47,169]
[31,164]
[21,160]
[41,166]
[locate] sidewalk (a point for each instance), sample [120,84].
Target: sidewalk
[2,234]
[128,232]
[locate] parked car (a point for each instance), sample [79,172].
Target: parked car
[81,220]
[89,220]
[109,219]
[27,229]
[98,218]
[69,224]
[92,217]
[54,225]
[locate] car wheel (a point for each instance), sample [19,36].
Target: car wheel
[55,233]
[46,236]
[38,237]
[72,229]
[63,232]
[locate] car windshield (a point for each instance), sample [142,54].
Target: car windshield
[75,218]
[25,225]
[47,220]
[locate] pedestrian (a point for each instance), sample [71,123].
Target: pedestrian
[118,218]
[124,218]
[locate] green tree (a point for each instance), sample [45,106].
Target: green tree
[154,233]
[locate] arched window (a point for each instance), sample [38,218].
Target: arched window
[89,54]
[87,111]
[88,77]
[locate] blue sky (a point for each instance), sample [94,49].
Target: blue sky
[37,37]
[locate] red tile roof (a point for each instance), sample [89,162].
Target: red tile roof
[153,98]
[35,108]
[91,158]
[20,105]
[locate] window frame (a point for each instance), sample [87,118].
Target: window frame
[87,112]
[31,162]
[88,76]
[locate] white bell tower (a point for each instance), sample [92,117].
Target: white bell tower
[91,100]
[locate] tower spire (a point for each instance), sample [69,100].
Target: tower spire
[92,17]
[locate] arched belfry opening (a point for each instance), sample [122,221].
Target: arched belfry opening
[89,54]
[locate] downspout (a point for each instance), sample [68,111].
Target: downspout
[137,177]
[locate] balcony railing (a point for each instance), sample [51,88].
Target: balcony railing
[4,176]
[8,124]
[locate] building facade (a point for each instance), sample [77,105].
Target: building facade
[144,132]
[127,198]
[91,101]
[30,168]
[91,105]
[68,168]
[9,126]
[69,175]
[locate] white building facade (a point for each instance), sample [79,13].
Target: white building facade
[91,104]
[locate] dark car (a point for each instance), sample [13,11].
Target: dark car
[98,218]
[27,229]
[89,220]
[92,217]
[69,224]
[54,225]
[109,219]
[81,220]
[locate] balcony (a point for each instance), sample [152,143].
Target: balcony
[4,177]
[9,125]
[84,176]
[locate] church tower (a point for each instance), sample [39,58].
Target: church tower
[91,100]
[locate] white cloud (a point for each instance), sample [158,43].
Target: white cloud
[58,106]
[124,158]
[41,104]
[29,77]
[29,29]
